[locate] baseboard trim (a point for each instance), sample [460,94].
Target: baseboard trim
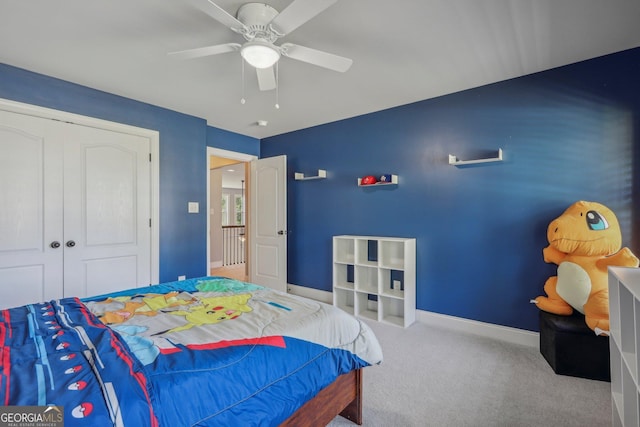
[315,294]
[489,330]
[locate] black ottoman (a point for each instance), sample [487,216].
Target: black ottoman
[571,348]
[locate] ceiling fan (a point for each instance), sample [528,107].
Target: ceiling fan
[261,25]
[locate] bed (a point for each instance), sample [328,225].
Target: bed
[200,352]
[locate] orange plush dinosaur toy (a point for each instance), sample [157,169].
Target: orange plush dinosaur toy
[584,241]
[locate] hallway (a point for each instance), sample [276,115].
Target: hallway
[236,271]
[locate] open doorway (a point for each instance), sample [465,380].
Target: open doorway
[228,222]
[228,236]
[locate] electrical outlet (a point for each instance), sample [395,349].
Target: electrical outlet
[182,277]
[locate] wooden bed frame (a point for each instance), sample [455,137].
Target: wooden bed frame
[342,397]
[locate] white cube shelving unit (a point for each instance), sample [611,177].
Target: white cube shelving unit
[624,341]
[375,277]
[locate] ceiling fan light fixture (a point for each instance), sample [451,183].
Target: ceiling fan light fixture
[259,54]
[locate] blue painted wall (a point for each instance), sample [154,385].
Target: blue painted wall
[568,134]
[231,141]
[183,162]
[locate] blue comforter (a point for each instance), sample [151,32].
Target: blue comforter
[201,352]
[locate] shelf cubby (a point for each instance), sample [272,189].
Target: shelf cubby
[343,276]
[366,305]
[344,251]
[627,331]
[344,299]
[366,252]
[392,283]
[392,310]
[366,279]
[392,254]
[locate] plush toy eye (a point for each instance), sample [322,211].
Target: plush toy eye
[595,221]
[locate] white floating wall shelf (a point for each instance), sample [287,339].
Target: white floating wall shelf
[392,181]
[300,176]
[453,160]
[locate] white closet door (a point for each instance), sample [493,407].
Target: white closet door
[107,208]
[74,210]
[30,210]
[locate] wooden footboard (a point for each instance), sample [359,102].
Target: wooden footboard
[342,397]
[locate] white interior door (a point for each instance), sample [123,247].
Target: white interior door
[107,209]
[268,225]
[31,186]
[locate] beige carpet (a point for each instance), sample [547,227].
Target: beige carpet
[436,377]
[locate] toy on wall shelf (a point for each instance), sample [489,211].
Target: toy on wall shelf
[371,180]
[368,180]
[584,241]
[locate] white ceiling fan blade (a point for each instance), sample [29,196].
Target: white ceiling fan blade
[205,51]
[266,78]
[218,13]
[316,57]
[297,13]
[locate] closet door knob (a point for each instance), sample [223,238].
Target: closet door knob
[70,244]
[55,244]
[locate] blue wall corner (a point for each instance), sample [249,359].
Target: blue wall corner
[232,141]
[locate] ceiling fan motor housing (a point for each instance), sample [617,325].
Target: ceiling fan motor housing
[257,16]
[261,25]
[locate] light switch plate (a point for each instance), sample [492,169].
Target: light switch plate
[194,207]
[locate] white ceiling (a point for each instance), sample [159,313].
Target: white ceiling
[233,176]
[403,51]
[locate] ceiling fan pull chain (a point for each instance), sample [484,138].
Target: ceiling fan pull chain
[242,100]
[277,85]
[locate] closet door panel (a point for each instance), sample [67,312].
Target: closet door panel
[106,273]
[110,191]
[30,210]
[106,211]
[22,194]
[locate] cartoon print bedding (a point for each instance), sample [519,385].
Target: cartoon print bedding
[200,352]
